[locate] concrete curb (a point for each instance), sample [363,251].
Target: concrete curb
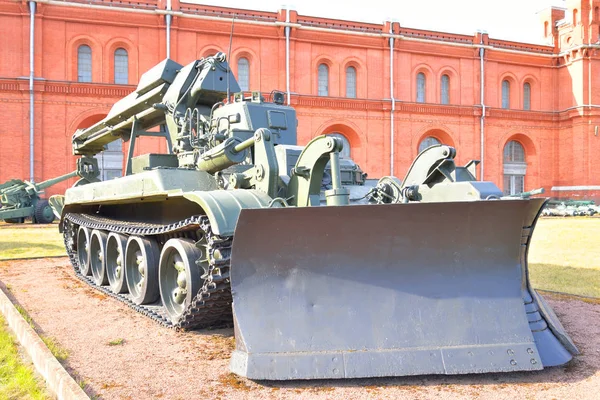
[58,380]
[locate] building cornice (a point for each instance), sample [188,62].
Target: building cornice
[62,87]
[325,25]
[307,23]
[112,91]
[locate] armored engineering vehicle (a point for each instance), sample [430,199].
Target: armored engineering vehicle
[321,275]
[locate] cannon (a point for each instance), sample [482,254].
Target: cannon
[321,274]
[528,194]
[21,199]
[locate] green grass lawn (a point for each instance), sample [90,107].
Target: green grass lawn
[17,380]
[565,256]
[30,241]
[569,242]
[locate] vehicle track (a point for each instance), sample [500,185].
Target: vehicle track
[210,308]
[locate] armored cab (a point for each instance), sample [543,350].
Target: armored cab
[322,275]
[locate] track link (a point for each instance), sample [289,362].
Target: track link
[210,308]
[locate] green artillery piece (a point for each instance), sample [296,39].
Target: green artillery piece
[571,203]
[526,195]
[21,199]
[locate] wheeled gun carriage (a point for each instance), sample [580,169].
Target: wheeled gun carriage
[22,199]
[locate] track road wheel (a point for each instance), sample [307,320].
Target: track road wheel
[141,269]
[98,257]
[43,213]
[179,276]
[83,250]
[115,262]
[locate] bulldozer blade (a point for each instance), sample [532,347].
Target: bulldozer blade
[389,290]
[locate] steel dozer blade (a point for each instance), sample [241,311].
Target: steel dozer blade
[389,290]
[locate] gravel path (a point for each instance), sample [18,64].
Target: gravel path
[153,362]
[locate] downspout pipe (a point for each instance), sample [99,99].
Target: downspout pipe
[287,54]
[392,135]
[482,97]
[31,102]
[168,18]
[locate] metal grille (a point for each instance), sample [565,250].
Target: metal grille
[505,94]
[121,66]
[428,142]
[420,87]
[351,82]
[244,74]
[323,80]
[526,96]
[84,63]
[445,90]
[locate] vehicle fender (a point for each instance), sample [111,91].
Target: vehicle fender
[57,202]
[223,207]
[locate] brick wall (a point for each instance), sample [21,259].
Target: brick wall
[558,133]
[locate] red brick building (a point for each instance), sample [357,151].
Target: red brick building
[529,112]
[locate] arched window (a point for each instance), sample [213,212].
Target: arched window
[244,74]
[351,82]
[574,17]
[121,66]
[84,63]
[110,161]
[546,29]
[515,168]
[596,14]
[505,94]
[526,96]
[428,142]
[346,150]
[445,90]
[323,80]
[420,87]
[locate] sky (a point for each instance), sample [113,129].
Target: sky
[507,19]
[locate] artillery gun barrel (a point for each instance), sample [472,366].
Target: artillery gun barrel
[536,191]
[54,181]
[525,195]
